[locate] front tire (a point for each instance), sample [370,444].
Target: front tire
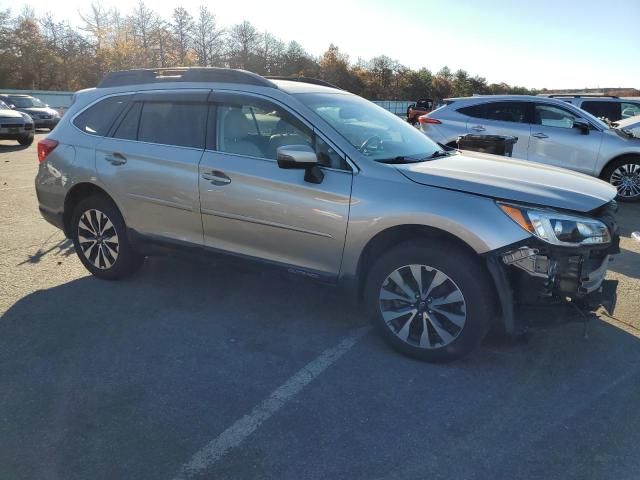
[624,174]
[26,140]
[100,238]
[430,300]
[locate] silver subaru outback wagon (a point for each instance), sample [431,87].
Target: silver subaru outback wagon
[437,245]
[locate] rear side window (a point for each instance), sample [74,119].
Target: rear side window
[515,112]
[128,128]
[475,111]
[97,119]
[169,123]
[610,110]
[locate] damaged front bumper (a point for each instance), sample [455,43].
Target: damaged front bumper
[534,273]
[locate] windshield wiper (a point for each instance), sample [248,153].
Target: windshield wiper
[439,153]
[402,159]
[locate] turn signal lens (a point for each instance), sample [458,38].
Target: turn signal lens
[433,121]
[517,216]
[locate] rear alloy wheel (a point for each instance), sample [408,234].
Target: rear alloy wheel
[430,300]
[624,174]
[100,239]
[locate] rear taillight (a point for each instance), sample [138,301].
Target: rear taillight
[45,147]
[428,120]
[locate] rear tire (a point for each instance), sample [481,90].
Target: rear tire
[455,302]
[26,140]
[624,174]
[100,238]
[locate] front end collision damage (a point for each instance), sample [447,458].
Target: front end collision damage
[535,273]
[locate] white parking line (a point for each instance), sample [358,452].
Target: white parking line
[245,426]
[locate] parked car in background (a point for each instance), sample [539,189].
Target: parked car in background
[43,116]
[630,126]
[610,107]
[15,125]
[549,131]
[416,110]
[435,245]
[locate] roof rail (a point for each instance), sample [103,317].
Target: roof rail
[183,74]
[578,95]
[313,81]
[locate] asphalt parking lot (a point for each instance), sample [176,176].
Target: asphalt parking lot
[193,369]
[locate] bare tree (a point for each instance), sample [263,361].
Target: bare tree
[208,39]
[182,28]
[243,45]
[144,21]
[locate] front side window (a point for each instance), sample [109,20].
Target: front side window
[375,132]
[552,116]
[257,128]
[173,123]
[97,119]
[630,109]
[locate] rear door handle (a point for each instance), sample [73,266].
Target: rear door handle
[217,177]
[478,128]
[116,158]
[540,135]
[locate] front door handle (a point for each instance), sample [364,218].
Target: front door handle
[217,177]
[540,135]
[478,128]
[116,158]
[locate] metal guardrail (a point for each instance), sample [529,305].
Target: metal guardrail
[397,107]
[60,101]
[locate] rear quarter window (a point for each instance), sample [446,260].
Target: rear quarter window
[98,118]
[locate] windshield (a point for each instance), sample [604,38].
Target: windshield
[4,106]
[26,102]
[375,132]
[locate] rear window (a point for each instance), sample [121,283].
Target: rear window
[610,110]
[169,123]
[515,112]
[97,119]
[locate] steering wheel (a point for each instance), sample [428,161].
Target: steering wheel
[365,145]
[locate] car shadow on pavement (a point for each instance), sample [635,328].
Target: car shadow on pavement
[12,148]
[62,248]
[127,379]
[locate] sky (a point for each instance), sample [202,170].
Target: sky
[536,44]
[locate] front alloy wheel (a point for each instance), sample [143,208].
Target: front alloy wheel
[626,178]
[422,306]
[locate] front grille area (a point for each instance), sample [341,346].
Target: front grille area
[12,125]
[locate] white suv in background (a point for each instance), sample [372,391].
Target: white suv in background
[609,107]
[549,131]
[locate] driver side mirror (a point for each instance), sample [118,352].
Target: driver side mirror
[581,125]
[12,106]
[301,157]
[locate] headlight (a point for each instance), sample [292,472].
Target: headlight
[27,117]
[558,228]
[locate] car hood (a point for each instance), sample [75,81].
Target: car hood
[508,179]
[47,110]
[4,113]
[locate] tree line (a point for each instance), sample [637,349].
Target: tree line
[38,52]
